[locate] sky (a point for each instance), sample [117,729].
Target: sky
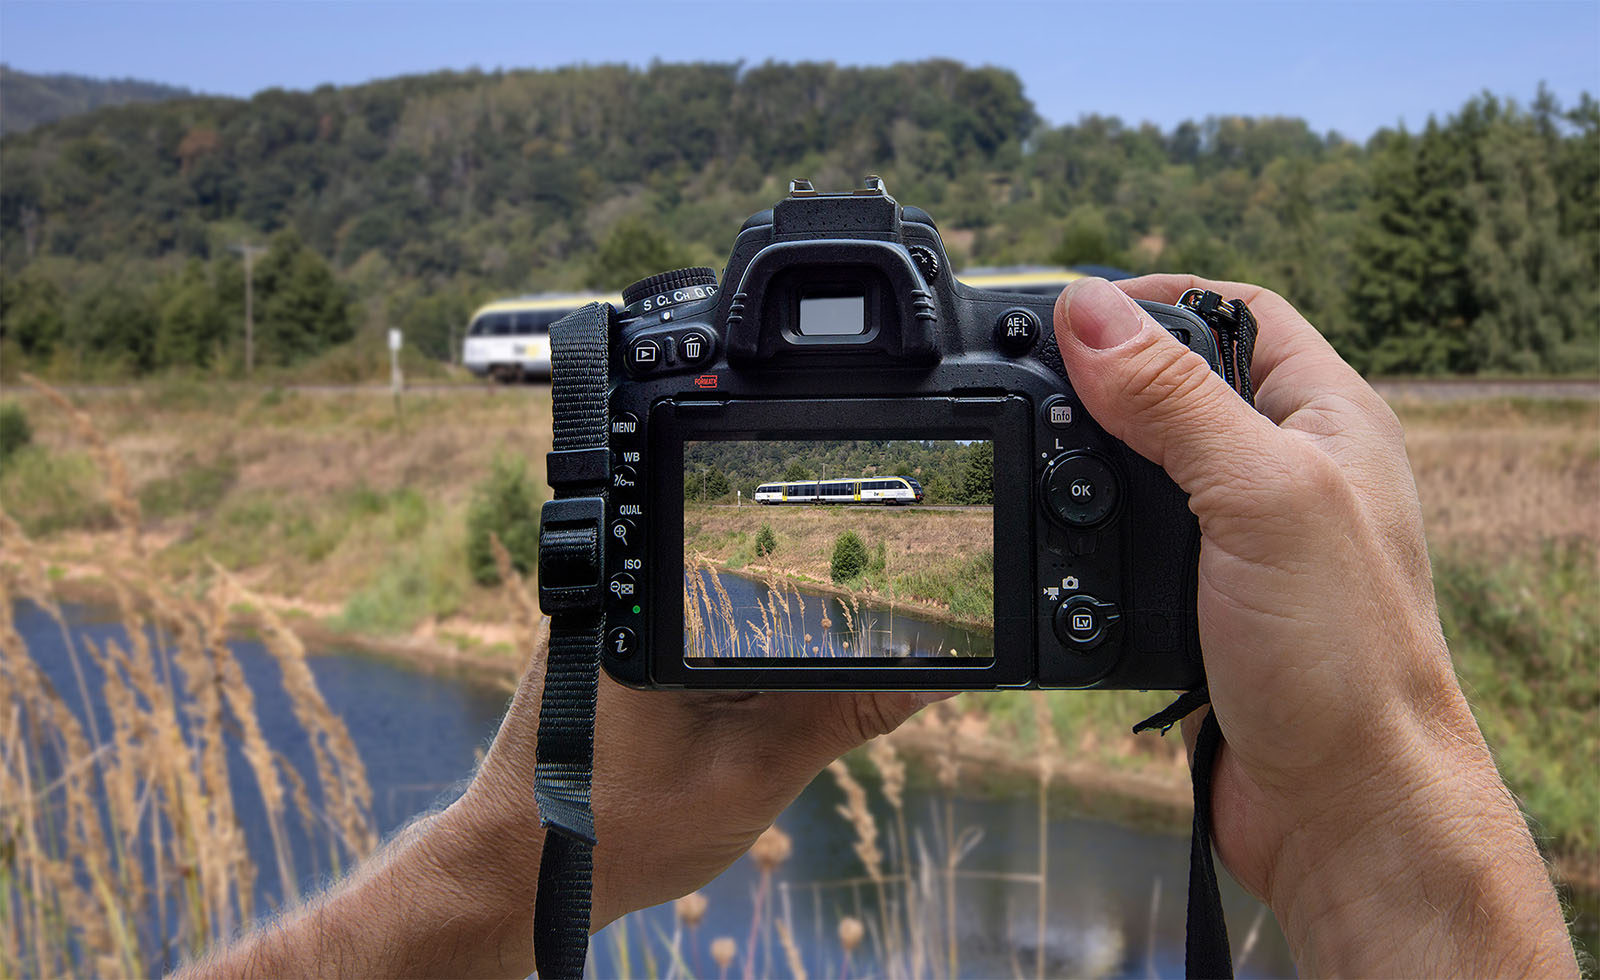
[1349,67]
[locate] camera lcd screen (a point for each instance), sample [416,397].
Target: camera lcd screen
[833,316]
[838,551]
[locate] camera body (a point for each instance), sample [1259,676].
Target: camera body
[846,380]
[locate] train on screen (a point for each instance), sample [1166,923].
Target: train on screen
[877,490]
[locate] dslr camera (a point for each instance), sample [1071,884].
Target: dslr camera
[842,468]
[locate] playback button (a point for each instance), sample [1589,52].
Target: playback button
[644,355]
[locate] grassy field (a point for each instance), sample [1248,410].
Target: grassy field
[329,501]
[331,507]
[941,560]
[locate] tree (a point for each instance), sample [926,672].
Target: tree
[302,308]
[796,471]
[30,315]
[977,483]
[505,505]
[634,250]
[766,541]
[850,557]
[192,325]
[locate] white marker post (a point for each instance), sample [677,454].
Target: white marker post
[396,382]
[738,500]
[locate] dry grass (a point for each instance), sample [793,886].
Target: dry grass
[806,535]
[1502,478]
[308,497]
[122,849]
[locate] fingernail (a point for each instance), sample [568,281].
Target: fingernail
[925,698]
[1102,316]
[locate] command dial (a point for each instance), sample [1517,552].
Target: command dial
[671,288]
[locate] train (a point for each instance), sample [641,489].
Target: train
[509,340]
[890,491]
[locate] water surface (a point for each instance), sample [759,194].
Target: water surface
[1114,899]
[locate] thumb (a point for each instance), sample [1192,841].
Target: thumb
[1148,389]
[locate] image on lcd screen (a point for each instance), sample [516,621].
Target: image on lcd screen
[838,550]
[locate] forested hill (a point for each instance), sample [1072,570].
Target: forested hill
[1473,245]
[27,100]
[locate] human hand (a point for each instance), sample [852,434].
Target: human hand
[1354,792]
[684,783]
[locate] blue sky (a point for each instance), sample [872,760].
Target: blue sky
[1351,67]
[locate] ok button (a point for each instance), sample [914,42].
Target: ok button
[1080,490]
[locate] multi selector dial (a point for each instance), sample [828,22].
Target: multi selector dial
[1080,490]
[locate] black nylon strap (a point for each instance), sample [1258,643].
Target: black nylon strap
[1205,948]
[565,755]
[1206,951]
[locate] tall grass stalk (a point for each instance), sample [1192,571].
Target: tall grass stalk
[124,849]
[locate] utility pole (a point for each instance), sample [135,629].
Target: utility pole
[249,252]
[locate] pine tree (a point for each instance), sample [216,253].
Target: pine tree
[977,483]
[192,325]
[302,308]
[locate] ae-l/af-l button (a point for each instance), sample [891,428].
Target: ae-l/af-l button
[1015,331]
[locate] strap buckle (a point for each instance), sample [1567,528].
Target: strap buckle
[571,555]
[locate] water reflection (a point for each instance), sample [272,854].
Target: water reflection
[730,615]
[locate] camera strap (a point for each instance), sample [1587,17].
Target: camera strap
[571,578]
[1206,952]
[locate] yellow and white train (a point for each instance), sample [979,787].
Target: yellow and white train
[889,491]
[509,339]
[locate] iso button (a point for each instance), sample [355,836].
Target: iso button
[1015,331]
[1080,490]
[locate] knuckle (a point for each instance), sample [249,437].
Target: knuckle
[866,716]
[1165,380]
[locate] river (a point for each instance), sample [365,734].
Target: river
[1115,893]
[810,623]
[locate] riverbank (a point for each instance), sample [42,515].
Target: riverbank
[939,563]
[350,521]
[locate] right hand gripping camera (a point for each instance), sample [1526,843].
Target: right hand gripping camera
[843,468]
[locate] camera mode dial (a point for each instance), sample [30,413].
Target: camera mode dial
[670,288]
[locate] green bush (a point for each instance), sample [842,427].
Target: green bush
[766,541]
[197,487]
[849,557]
[15,432]
[506,505]
[1525,635]
[48,492]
